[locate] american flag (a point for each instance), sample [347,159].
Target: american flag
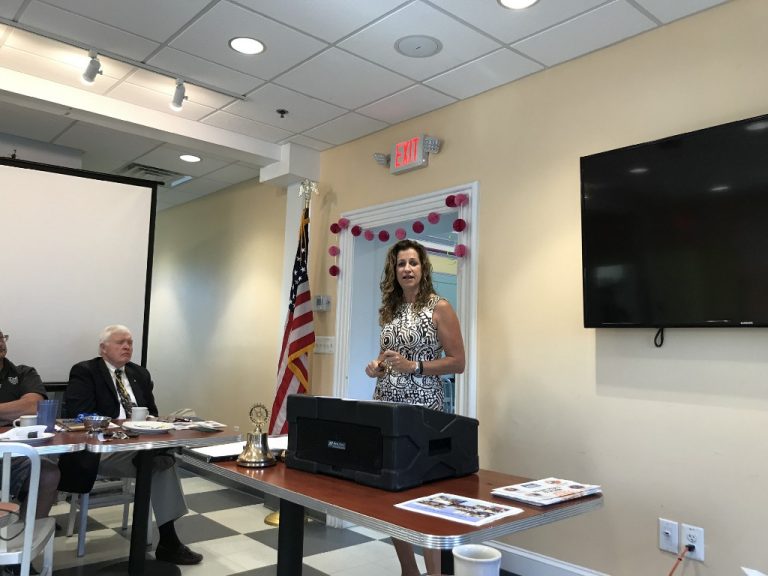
[299,336]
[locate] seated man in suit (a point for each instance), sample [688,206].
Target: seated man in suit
[20,390]
[111,385]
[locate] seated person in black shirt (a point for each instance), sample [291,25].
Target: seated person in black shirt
[20,390]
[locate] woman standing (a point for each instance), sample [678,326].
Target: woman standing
[420,341]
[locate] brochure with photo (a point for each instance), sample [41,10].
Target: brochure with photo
[546,491]
[459,509]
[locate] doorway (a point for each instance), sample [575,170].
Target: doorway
[362,261]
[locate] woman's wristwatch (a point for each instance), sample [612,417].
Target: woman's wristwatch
[419,368]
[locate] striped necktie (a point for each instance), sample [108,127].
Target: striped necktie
[125,398]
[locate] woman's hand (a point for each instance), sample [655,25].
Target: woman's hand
[375,368]
[395,362]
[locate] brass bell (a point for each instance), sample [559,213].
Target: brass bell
[256,453]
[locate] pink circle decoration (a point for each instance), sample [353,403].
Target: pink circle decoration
[335,228]
[343,223]
[356,230]
[460,250]
[450,201]
[384,236]
[369,235]
[334,251]
[400,234]
[459,225]
[433,217]
[418,227]
[334,270]
[461,199]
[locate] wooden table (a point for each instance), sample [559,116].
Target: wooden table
[146,445]
[60,443]
[375,508]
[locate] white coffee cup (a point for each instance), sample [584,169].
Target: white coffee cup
[139,413]
[476,560]
[26,420]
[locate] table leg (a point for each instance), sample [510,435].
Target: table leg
[446,560]
[138,563]
[290,539]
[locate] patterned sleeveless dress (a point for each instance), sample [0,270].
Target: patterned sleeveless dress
[413,334]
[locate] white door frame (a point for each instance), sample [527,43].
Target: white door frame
[466,282]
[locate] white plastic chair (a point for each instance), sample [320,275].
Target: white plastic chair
[30,537]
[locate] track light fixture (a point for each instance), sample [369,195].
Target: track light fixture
[178,96]
[93,68]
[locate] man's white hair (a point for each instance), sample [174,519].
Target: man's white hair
[106,334]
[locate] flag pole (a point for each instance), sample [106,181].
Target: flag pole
[299,336]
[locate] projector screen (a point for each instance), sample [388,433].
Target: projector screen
[76,256]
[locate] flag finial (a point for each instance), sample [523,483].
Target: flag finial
[307,188]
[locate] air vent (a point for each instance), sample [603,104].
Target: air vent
[167,177]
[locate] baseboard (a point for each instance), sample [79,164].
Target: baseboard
[527,563]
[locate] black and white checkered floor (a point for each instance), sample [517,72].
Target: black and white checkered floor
[227,527]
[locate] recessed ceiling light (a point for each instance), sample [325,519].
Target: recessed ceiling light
[418,46]
[517,4]
[189,158]
[246,45]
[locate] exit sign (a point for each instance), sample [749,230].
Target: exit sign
[408,155]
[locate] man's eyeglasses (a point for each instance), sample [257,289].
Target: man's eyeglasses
[4,337]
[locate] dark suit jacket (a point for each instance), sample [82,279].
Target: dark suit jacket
[91,389]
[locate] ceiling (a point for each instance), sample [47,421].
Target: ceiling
[331,64]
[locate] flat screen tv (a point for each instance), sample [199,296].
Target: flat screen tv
[675,231]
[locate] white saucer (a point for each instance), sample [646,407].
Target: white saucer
[41,438]
[148,427]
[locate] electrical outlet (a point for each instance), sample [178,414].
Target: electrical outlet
[668,535]
[693,535]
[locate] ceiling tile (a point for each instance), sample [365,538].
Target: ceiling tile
[346,128]
[459,42]
[601,27]
[512,25]
[342,79]
[167,158]
[309,142]
[411,102]
[303,112]
[488,72]
[105,149]
[667,11]
[9,8]
[87,32]
[330,19]
[233,173]
[193,68]
[209,38]
[242,125]
[186,192]
[148,18]
[28,123]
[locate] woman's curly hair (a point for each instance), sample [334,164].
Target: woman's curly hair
[392,293]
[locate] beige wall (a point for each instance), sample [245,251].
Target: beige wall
[215,306]
[663,430]
[675,432]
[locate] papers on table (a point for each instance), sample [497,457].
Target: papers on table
[459,509]
[546,491]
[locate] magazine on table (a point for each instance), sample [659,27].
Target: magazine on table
[459,509]
[546,491]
